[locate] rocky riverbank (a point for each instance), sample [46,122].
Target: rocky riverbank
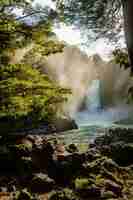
[32,168]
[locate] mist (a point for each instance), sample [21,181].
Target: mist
[75,70]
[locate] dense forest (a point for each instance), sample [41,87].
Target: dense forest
[25,92]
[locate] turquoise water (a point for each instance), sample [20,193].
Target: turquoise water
[94,120]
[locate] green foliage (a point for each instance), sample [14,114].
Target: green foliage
[23,194]
[121,57]
[81,183]
[12,31]
[35,56]
[15,32]
[100,16]
[65,194]
[25,91]
[23,147]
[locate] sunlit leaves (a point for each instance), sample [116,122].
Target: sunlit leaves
[103,17]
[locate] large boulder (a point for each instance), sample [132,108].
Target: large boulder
[41,183]
[118,144]
[115,135]
[64,124]
[42,155]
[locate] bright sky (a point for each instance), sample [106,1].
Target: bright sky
[73,36]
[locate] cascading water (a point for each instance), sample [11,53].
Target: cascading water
[92,100]
[99,92]
[94,113]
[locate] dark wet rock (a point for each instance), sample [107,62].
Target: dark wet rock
[76,158]
[7,163]
[21,150]
[24,166]
[72,148]
[64,170]
[23,195]
[94,166]
[115,135]
[42,155]
[92,145]
[122,153]
[89,192]
[41,183]
[92,155]
[46,167]
[113,187]
[118,145]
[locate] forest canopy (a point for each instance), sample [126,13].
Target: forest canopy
[25,92]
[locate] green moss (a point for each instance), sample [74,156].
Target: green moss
[108,195]
[81,183]
[23,147]
[23,195]
[99,180]
[65,194]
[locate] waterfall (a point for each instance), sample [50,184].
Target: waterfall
[92,100]
[94,83]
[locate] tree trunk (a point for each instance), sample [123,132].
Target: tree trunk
[128,27]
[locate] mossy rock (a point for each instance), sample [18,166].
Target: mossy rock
[108,195]
[41,183]
[21,150]
[24,166]
[65,194]
[23,195]
[122,153]
[72,148]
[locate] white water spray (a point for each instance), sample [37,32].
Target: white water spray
[99,87]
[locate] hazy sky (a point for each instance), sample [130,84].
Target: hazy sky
[73,36]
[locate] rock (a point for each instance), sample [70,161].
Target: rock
[25,141]
[113,187]
[90,192]
[24,166]
[3,189]
[108,195]
[72,148]
[65,194]
[117,144]
[122,153]
[64,124]
[81,183]
[64,170]
[115,135]
[110,165]
[23,195]
[41,183]
[21,150]
[42,155]
[92,155]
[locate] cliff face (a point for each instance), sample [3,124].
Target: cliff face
[75,70]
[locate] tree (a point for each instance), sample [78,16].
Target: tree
[105,17]
[25,92]
[16,30]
